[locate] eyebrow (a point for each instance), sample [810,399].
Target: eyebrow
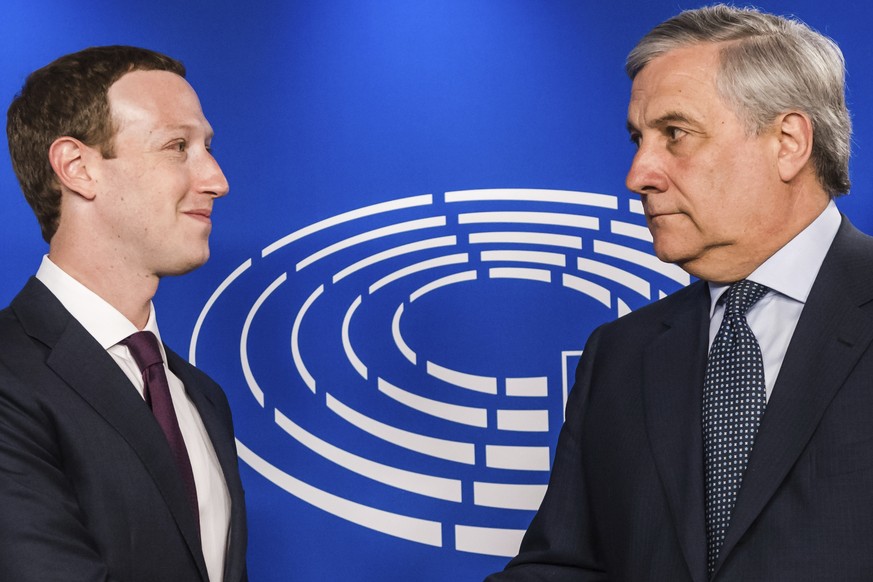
[666,119]
[209,133]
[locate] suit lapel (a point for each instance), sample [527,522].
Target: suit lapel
[223,444]
[831,335]
[87,368]
[673,369]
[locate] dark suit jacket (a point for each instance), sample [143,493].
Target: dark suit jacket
[625,500]
[88,487]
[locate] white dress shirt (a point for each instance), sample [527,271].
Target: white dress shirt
[789,274]
[109,327]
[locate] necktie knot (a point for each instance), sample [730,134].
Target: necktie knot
[143,346]
[741,296]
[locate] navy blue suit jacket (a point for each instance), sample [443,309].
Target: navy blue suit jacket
[625,501]
[88,487]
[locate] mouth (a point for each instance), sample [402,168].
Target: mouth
[656,215]
[201,214]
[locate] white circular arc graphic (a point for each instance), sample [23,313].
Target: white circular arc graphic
[547,258]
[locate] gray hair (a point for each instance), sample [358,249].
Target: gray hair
[771,65]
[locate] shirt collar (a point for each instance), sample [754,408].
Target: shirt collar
[99,318]
[792,270]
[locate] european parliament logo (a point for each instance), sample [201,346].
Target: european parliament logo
[404,366]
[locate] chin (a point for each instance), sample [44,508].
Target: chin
[675,249]
[668,254]
[196,264]
[182,267]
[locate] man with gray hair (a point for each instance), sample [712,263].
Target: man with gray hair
[724,432]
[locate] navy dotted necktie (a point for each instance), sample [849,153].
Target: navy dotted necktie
[143,346]
[734,396]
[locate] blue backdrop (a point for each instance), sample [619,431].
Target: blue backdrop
[427,217]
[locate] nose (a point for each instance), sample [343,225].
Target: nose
[212,180]
[646,174]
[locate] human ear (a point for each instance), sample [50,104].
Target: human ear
[795,144]
[68,156]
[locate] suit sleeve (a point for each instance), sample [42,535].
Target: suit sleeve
[560,545]
[43,534]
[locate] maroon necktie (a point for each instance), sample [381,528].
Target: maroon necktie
[143,346]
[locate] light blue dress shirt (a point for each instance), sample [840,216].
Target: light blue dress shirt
[790,274]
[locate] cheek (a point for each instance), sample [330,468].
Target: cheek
[708,182]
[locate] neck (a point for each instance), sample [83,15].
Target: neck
[731,263]
[111,279]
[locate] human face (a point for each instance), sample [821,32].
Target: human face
[710,189]
[155,195]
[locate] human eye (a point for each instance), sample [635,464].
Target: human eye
[635,138]
[177,146]
[674,134]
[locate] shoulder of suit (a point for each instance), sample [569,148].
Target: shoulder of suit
[640,325]
[854,239]
[683,298]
